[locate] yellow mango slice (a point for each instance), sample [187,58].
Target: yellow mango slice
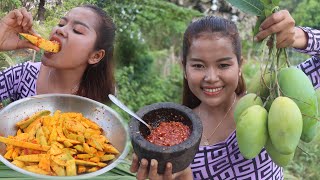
[50,46]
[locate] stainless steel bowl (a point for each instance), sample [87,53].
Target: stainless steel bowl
[113,126]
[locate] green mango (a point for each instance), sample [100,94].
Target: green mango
[259,87]
[284,125]
[251,131]
[296,85]
[278,158]
[244,102]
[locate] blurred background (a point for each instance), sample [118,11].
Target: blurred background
[149,45]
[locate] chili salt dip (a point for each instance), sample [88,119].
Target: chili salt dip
[169,133]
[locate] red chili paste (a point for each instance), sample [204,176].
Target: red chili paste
[169,133]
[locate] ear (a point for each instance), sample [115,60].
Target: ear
[241,62]
[96,56]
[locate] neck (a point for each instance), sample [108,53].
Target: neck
[63,81]
[221,110]
[216,119]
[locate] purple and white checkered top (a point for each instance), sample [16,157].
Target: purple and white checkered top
[224,160]
[19,81]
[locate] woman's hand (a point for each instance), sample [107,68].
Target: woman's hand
[283,25]
[143,173]
[15,22]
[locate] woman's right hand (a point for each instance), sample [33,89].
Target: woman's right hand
[143,173]
[15,22]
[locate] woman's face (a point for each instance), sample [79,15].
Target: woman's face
[212,70]
[76,33]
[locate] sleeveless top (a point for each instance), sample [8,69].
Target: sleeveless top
[224,160]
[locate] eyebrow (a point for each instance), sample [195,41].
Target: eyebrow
[77,22]
[219,60]
[196,59]
[224,59]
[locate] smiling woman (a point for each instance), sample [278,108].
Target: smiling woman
[83,65]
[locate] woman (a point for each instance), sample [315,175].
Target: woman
[213,83]
[83,66]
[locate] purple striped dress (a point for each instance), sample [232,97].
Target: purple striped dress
[19,81]
[224,160]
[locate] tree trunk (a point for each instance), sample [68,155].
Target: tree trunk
[41,11]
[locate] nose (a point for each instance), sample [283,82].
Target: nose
[211,75]
[61,31]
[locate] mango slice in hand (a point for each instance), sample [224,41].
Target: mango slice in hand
[50,46]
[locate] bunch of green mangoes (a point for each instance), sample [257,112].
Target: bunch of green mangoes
[278,124]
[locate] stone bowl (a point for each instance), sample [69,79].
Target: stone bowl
[180,155]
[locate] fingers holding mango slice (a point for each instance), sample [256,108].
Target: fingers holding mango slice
[49,46]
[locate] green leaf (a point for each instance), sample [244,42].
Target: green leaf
[276,2]
[272,3]
[266,2]
[7,58]
[5,102]
[258,23]
[254,7]
[268,10]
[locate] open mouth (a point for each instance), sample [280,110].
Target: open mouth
[48,54]
[56,40]
[212,91]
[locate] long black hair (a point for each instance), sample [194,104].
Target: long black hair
[98,79]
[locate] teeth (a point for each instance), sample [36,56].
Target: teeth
[212,90]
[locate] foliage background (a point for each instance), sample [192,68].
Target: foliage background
[148,47]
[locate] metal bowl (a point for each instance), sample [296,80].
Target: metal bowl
[114,128]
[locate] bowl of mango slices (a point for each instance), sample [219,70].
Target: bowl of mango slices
[61,136]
